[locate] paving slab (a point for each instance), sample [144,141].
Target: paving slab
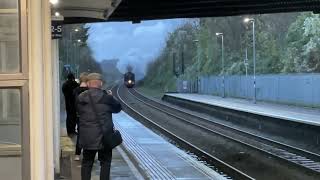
[157,157]
[122,168]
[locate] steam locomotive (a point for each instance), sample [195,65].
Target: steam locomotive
[129,79]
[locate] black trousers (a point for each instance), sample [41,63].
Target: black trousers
[104,156]
[71,122]
[78,148]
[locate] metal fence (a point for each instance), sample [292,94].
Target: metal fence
[301,89]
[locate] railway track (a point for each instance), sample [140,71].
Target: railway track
[287,154]
[223,168]
[300,157]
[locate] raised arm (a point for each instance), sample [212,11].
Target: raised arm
[113,103]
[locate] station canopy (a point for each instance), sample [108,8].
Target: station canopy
[82,11]
[77,11]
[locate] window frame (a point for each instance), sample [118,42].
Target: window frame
[23,55]
[22,85]
[20,81]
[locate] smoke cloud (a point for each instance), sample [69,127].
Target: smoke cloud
[134,44]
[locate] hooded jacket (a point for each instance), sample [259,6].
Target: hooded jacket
[96,118]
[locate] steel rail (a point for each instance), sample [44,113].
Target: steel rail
[300,157]
[222,166]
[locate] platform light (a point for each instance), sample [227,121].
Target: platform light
[54,2]
[79,40]
[219,34]
[57,14]
[76,30]
[246,20]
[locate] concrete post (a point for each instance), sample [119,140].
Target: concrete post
[56,104]
[40,90]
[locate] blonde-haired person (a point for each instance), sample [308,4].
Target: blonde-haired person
[76,92]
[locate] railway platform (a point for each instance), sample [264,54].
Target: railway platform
[284,112]
[121,168]
[156,157]
[143,155]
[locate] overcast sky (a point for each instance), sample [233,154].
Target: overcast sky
[136,44]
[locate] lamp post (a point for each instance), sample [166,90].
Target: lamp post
[246,62]
[71,47]
[182,34]
[198,59]
[76,64]
[222,59]
[174,64]
[250,20]
[198,65]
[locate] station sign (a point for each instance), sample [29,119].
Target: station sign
[56,28]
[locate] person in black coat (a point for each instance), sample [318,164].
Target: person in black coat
[76,92]
[67,89]
[95,107]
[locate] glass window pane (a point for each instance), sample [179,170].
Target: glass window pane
[10,116]
[10,133]
[8,4]
[9,37]
[10,168]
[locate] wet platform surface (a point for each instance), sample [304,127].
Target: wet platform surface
[292,113]
[157,157]
[122,168]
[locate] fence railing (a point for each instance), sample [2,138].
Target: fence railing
[296,89]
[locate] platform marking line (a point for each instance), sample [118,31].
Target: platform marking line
[134,170]
[169,132]
[154,167]
[146,159]
[149,162]
[205,170]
